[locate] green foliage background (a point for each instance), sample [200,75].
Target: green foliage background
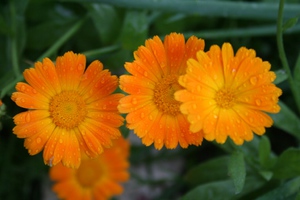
[110,30]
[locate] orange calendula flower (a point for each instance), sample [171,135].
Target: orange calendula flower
[70,109]
[97,178]
[153,113]
[228,95]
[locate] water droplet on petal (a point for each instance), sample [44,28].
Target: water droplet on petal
[251,119]
[258,102]
[80,67]
[253,80]
[60,141]
[151,117]
[38,140]
[27,117]
[134,101]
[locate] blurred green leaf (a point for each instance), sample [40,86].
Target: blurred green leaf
[43,40]
[289,23]
[212,191]
[220,190]
[106,21]
[297,72]
[287,120]
[287,165]
[4,29]
[199,174]
[286,191]
[280,76]
[237,170]
[249,10]
[265,152]
[134,31]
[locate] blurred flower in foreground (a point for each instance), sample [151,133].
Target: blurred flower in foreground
[70,109]
[153,113]
[97,178]
[228,95]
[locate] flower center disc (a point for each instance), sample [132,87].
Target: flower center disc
[164,95]
[225,98]
[89,173]
[67,109]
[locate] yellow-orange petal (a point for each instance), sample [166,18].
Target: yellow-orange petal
[36,142]
[70,68]
[228,95]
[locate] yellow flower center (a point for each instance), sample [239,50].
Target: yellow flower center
[89,172]
[225,98]
[67,109]
[164,95]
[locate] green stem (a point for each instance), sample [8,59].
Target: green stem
[101,50]
[62,39]
[49,52]
[282,55]
[14,48]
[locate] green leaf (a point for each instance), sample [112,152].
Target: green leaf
[287,120]
[290,23]
[248,10]
[135,29]
[105,20]
[287,165]
[286,191]
[237,170]
[280,76]
[208,171]
[297,73]
[264,152]
[212,190]
[220,190]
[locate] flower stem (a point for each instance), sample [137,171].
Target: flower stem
[63,39]
[282,55]
[14,48]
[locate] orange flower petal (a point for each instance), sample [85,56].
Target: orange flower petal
[70,68]
[37,141]
[152,111]
[28,129]
[227,94]
[62,98]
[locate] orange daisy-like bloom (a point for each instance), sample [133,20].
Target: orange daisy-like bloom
[97,179]
[228,95]
[153,113]
[70,109]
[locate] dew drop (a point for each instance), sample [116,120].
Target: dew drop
[194,106]
[60,141]
[233,70]
[142,115]
[27,117]
[38,140]
[80,67]
[145,73]
[251,119]
[258,102]
[23,88]
[151,117]
[253,80]
[134,101]
[198,88]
